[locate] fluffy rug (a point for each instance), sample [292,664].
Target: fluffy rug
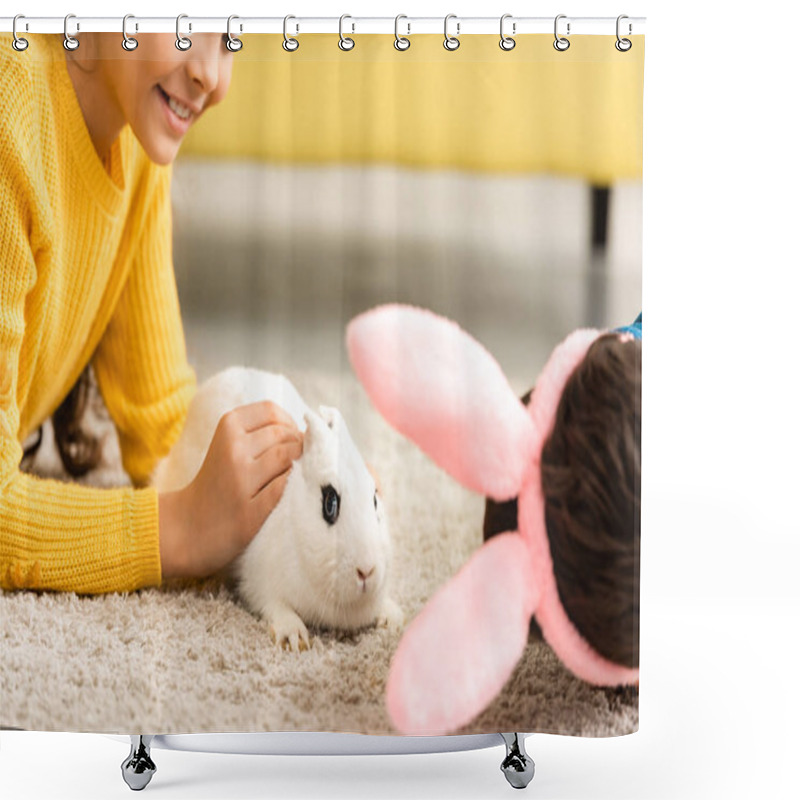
[188,658]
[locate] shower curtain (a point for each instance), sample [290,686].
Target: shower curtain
[320,383]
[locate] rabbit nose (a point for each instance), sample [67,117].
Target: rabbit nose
[364,575]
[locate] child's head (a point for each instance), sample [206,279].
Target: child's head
[157,89]
[590,471]
[570,559]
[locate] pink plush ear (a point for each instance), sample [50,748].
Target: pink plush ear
[457,655]
[443,390]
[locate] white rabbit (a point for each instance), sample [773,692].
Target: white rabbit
[322,555]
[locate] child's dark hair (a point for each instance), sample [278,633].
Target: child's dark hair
[79,450]
[591,482]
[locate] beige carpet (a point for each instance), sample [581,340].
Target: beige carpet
[187,658]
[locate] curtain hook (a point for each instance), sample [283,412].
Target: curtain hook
[70,43]
[451,42]
[345,42]
[506,42]
[128,42]
[289,44]
[19,44]
[561,44]
[623,45]
[400,42]
[183,43]
[233,44]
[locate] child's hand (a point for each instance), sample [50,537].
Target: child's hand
[204,526]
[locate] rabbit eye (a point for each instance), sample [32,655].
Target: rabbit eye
[375,500]
[330,504]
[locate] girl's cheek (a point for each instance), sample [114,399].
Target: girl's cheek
[226,70]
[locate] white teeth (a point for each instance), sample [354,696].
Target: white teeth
[181,111]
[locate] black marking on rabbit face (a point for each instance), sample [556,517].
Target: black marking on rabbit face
[331,504]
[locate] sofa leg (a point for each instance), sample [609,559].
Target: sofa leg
[517,766]
[138,768]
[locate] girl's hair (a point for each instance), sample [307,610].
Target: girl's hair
[591,467]
[79,451]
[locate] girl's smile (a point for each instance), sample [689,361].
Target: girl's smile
[158,90]
[179,114]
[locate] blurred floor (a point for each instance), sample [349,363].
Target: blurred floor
[272,262]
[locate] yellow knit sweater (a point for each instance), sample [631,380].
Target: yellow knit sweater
[85,275]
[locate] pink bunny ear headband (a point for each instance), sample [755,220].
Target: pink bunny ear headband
[443,390]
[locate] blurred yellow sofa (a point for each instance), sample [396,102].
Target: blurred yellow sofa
[479,108]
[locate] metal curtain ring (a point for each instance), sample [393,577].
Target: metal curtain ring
[233,44]
[70,43]
[182,42]
[289,44]
[623,45]
[451,42]
[561,44]
[400,42]
[345,42]
[128,42]
[506,42]
[19,44]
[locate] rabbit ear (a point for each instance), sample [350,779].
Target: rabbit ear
[318,442]
[456,656]
[330,415]
[442,389]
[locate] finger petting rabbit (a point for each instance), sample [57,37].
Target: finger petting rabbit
[321,557]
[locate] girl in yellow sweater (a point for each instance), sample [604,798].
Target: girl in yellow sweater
[87,139]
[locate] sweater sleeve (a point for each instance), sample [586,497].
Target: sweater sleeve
[53,534]
[141,363]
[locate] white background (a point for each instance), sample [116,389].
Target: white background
[720,697]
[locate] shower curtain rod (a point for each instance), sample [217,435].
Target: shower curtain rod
[407,26]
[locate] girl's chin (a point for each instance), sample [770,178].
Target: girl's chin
[163,152]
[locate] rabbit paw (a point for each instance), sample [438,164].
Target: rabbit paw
[288,631]
[390,616]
